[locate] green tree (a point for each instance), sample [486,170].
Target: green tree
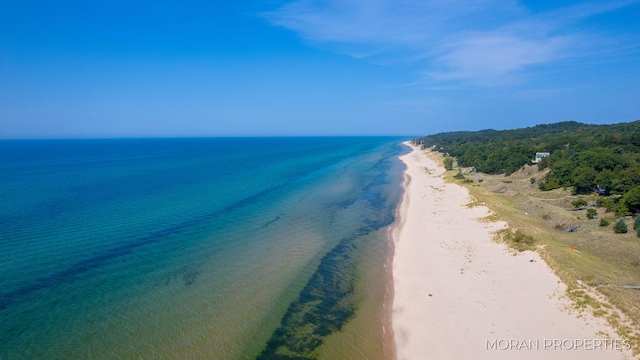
[581,156]
[561,172]
[591,213]
[583,179]
[604,222]
[635,138]
[628,178]
[605,179]
[620,227]
[636,223]
[630,202]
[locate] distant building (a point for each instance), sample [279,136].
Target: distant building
[539,157]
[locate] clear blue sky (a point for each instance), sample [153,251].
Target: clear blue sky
[123,68]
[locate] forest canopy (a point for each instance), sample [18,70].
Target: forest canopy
[587,158]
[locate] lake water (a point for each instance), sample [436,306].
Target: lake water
[221,248]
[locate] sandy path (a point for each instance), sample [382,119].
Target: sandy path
[460,295]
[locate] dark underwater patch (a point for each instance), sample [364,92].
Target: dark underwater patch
[323,307]
[326,303]
[270,222]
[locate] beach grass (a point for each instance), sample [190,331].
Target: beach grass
[592,261]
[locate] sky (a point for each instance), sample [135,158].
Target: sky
[165,68]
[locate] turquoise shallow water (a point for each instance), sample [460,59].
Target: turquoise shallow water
[190,248]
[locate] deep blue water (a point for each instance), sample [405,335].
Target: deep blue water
[199,248]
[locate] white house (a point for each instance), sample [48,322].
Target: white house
[539,157]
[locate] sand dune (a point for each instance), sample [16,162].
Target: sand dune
[460,295]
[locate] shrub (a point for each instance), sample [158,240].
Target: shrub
[609,204]
[517,240]
[604,222]
[458,176]
[448,163]
[591,213]
[520,237]
[620,227]
[549,184]
[630,201]
[636,223]
[543,164]
[532,180]
[579,203]
[622,210]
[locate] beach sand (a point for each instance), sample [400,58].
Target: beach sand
[460,295]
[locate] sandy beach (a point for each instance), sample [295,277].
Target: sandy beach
[460,295]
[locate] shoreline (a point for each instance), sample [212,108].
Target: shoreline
[457,294]
[386,315]
[389,348]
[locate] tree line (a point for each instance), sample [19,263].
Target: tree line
[586,158]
